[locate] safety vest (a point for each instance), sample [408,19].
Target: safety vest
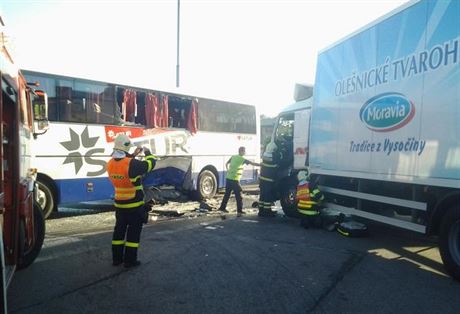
[125,190]
[235,170]
[306,205]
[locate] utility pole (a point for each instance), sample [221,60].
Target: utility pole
[178,40]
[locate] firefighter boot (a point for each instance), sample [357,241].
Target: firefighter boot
[117,254]
[261,208]
[266,213]
[265,209]
[131,257]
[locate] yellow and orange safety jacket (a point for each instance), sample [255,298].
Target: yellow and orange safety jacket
[126,176]
[307,200]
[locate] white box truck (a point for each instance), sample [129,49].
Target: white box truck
[381,132]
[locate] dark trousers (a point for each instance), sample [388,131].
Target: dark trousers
[127,234]
[310,221]
[266,195]
[233,185]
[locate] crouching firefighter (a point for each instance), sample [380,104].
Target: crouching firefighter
[308,198]
[125,172]
[268,170]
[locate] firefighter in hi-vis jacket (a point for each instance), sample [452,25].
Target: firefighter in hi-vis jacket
[125,172]
[308,198]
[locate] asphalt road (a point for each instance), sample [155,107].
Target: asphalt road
[201,263]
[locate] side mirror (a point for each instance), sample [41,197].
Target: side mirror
[40,109]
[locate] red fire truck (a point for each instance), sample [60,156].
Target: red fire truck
[22,116]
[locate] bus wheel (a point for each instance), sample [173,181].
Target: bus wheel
[31,254]
[449,241]
[288,202]
[46,198]
[207,185]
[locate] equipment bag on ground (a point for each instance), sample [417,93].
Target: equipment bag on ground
[352,229]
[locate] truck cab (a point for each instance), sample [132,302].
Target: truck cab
[22,225]
[290,134]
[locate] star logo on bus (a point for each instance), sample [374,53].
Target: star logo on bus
[73,146]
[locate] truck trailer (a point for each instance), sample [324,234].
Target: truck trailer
[381,133]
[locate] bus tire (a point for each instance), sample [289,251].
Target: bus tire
[28,257]
[207,185]
[46,196]
[449,241]
[288,201]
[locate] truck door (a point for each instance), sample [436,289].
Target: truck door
[301,136]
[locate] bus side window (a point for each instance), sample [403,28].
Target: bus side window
[64,96]
[126,99]
[95,98]
[178,111]
[119,106]
[140,109]
[176,118]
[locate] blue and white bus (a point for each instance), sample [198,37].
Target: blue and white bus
[194,137]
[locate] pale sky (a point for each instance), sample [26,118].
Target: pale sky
[248,51]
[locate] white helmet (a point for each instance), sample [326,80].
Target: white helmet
[123,143]
[302,175]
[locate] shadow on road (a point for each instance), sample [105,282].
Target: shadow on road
[250,262]
[82,209]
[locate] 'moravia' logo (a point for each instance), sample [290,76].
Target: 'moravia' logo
[74,145]
[387,112]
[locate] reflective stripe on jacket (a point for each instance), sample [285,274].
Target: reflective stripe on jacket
[307,200]
[268,171]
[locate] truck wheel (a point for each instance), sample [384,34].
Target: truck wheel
[207,185]
[46,198]
[31,254]
[449,241]
[288,202]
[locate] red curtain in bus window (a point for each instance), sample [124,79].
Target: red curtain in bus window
[164,114]
[152,111]
[193,117]
[129,99]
